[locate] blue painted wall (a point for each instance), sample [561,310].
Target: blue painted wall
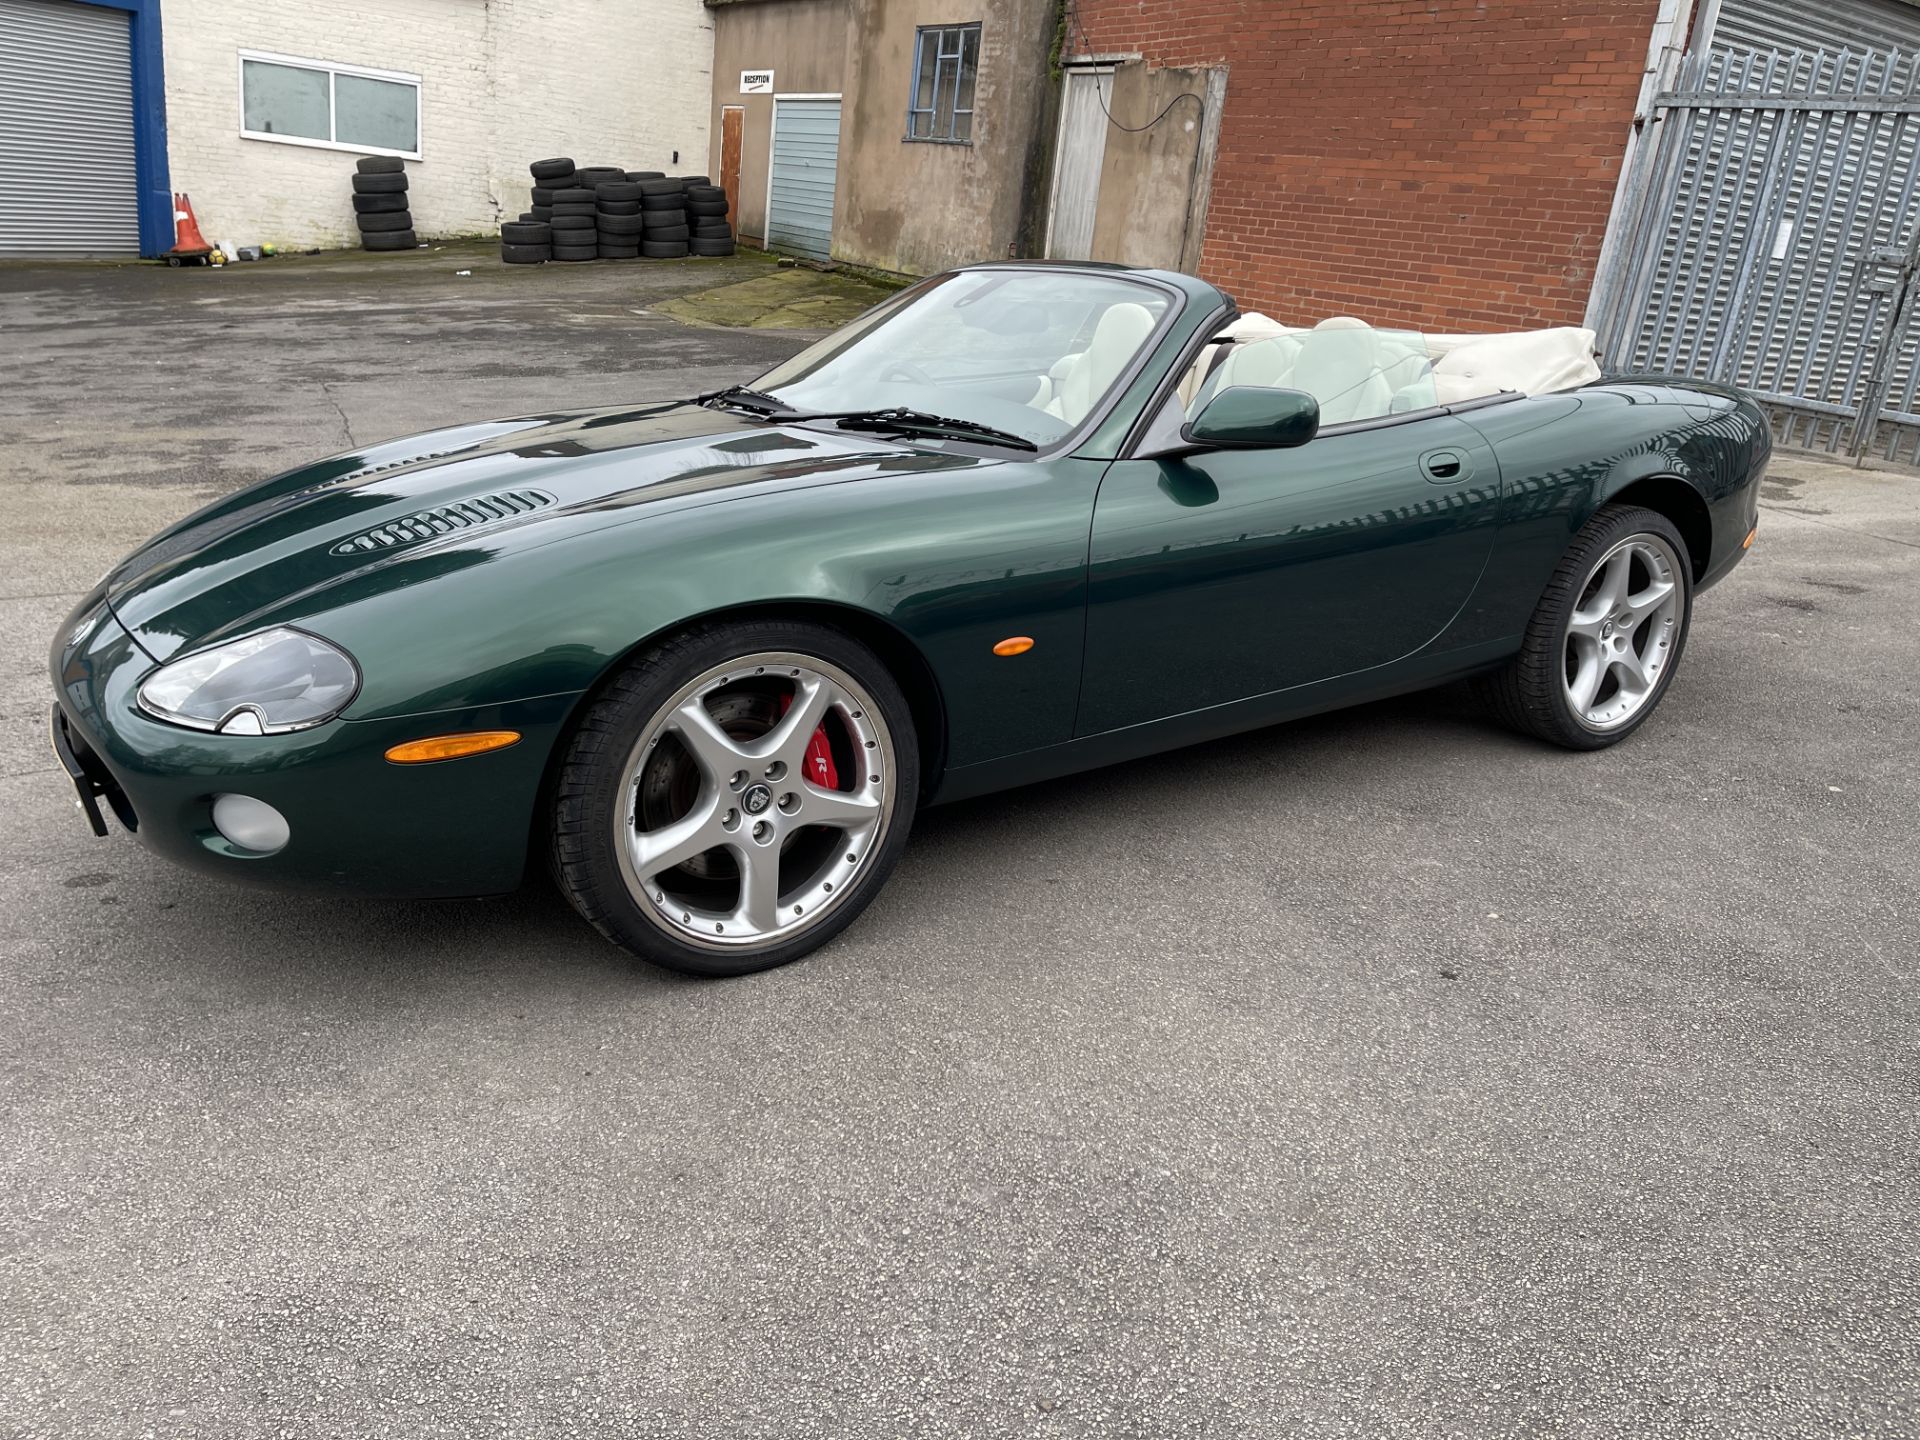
[149,123]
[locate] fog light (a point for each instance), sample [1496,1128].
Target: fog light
[250,824]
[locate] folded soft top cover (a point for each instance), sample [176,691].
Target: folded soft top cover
[1358,372]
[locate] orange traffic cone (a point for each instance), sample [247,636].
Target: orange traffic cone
[188,242]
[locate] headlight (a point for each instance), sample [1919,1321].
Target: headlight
[264,684]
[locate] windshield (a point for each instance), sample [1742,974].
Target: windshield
[1030,352]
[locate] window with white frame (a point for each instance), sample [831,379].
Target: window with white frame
[946,61]
[337,107]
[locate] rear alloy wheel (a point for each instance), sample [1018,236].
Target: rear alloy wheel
[1606,636]
[737,797]
[1621,637]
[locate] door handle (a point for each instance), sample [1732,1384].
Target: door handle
[1443,465]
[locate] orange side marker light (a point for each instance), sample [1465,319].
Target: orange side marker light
[1014,645]
[452,747]
[1747,544]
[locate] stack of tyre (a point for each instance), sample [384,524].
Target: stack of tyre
[598,212]
[526,241]
[663,218]
[563,211]
[617,215]
[711,231]
[380,204]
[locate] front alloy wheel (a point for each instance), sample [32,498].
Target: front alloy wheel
[753,795]
[736,797]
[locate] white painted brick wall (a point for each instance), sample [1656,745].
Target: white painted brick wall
[503,83]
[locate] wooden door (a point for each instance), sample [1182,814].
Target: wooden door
[733,125]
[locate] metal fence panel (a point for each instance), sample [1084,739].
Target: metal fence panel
[1776,240]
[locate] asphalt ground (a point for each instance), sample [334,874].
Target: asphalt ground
[1379,1075]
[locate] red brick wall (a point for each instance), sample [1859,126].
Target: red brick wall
[1441,165]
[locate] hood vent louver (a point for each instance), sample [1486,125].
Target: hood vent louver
[461,515]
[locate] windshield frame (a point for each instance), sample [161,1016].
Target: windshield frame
[1096,416]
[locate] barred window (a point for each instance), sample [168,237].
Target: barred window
[946,61]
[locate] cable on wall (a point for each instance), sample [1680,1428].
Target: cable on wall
[1077,26]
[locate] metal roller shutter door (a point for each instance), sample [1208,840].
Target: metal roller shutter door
[67,183]
[806,159]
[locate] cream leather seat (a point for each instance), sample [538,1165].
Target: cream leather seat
[1355,371]
[1078,381]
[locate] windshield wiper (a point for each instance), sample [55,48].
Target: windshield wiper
[895,420]
[742,397]
[901,420]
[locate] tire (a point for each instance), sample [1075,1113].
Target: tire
[622,189]
[663,219]
[379,204]
[619,252]
[703,245]
[575,209]
[542,213]
[571,223]
[687,180]
[619,207]
[526,254]
[705,192]
[390,240]
[663,249]
[543,195]
[386,183]
[657,204]
[707,230]
[550,169]
[641,176]
[609,757]
[390,220]
[707,207]
[574,195]
[576,252]
[671,235]
[594,176]
[526,234]
[618,225]
[1532,693]
[381,165]
[660,186]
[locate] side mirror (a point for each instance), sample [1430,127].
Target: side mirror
[1252,417]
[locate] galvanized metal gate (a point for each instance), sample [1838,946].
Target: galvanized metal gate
[1773,242]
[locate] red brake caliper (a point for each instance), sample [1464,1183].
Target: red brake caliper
[820,767]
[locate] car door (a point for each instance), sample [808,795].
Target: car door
[1228,574]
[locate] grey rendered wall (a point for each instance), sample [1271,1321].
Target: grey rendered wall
[1154,181]
[913,207]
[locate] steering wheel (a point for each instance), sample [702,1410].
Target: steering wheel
[908,370]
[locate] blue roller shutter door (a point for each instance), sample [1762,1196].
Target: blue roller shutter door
[806,158]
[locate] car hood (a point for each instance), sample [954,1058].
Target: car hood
[462,493]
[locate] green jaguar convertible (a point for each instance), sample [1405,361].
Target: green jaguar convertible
[706,658]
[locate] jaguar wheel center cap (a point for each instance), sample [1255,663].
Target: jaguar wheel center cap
[756,799]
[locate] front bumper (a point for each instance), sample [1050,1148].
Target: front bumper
[357,824]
